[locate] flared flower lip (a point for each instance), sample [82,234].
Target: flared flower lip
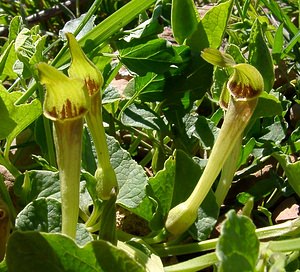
[246,82]
[65,97]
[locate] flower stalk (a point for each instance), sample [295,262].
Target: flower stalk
[245,85]
[65,105]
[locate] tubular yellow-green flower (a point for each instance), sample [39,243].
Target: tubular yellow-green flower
[81,67]
[65,103]
[246,82]
[245,85]
[65,98]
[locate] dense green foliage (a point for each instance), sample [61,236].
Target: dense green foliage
[161,126]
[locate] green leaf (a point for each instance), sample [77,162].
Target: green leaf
[22,115]
[236,53]
[72,25]
[267,106]
[211,28]
[274,132]
[156,204]
[14,28]
[260,57]
[33,251]
[238,246]
[186,170]
[175,84]
[203,129]
[177,116]
[110,95]
[42,214]
[8,56]
[29,48]
[131,177]
[7,124]
[197,71]
[143,56]
[291,44]
[220,78]
[278,41]
[149,88]
[149,28]
[7,60]
[246,151]
[292,170]
[208,213]
[294,140]
[36,184]
[162,185]
[140,115]
[184,19]
[189,170]
[43,184]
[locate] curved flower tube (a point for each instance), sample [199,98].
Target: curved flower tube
[245,86]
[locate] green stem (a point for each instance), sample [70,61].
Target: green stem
[68,137]
[105,174]
[146,158]
[286,228]
[228,172]
[284,245]
[9,166]
[107,230]
[94,218]
[163,251]
[92,10]
[195,264]
[135,144]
